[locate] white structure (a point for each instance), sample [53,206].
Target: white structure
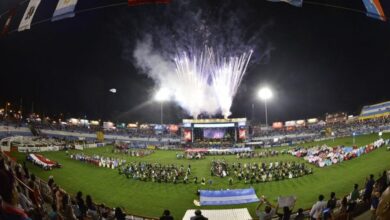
[221,214]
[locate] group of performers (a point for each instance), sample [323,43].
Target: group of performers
[190,155]
[133,152]
[101,161]
[325,155]
[259,172]
[156,172]
[260,154]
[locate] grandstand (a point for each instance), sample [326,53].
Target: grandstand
[375,111]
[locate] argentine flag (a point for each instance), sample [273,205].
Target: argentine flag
[28,16]
[227,197]
[64,9]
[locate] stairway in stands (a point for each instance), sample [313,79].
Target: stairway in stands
[34,131]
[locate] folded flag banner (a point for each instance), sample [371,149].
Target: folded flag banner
[227,197]
[64,9]
[7,24]
[41,160]
[142,2]
[25,23]
[374,9]
[296,3]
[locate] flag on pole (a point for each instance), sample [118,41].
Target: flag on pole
[374,9]
[25,23]
[142,2]
[296,3]
[7,24]
[64,9]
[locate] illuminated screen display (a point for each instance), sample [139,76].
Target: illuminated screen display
[187,135]
[214,133]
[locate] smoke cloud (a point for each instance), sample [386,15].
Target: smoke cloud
[199,53]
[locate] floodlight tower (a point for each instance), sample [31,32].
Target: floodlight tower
[264,94]
[161,96]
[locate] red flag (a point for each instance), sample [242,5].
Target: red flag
[7,24]
[142,2]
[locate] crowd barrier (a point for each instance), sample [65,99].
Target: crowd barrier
[39,149]
[86,146]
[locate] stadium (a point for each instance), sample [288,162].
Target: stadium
[194,131]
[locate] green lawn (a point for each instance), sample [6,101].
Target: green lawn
[150,199]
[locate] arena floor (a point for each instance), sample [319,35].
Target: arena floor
[150,199]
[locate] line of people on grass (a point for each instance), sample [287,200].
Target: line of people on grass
[133,152]
[260,154]
[191,155]
[260,172]
[101,161]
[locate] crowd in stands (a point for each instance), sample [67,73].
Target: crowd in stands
[257,173]
[339,129]
[326,156]
[312,132]
[25,197]
[375,197]
[156,172]
[91,129]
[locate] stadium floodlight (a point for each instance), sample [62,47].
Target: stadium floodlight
[161,96]
[264,94]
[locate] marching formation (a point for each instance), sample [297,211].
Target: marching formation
[156,172]
[133,152]
[108,162]
[261,154]
[259,172]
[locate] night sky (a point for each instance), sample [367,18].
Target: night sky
[318,60]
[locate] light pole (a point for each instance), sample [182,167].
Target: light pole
[6,109]
[265,94]
[161,96]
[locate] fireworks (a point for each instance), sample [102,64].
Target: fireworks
[226,76]
[208,82]
[200,81]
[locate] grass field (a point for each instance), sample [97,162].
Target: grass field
[150,199]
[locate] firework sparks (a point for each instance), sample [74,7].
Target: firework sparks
[209,82]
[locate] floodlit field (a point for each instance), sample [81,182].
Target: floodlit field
[150,199]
